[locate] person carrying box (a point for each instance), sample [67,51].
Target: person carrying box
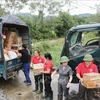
[85,67]
[38,61]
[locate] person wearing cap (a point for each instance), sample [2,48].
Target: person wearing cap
[65,78]
[85,67]
[26,63]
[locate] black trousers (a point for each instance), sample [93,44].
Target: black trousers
[38,82]
[63,89]
[47,80]
[85,93]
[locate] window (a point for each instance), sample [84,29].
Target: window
[74,38]
[90,37]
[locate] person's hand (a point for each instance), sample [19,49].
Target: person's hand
[19,54]
[68,85]
[82,82]
[31,67]
[41,72]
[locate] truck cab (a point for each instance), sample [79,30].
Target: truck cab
[81,40]
[12,28]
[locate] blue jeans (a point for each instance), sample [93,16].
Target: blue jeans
[26,71]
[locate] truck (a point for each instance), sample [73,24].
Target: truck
[11,24]
[79,41]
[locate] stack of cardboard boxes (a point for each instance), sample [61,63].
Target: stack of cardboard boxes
[11,41]
[91,80]
[11,38]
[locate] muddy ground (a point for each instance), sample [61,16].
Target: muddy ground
[16,89]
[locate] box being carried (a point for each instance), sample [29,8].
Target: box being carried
[91,76]
[91,80]
[37,68]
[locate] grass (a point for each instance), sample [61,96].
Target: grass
[54,48]
[88,36]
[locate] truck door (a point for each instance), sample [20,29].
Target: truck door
[2,68]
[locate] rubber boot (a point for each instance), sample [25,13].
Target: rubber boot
[46,95]
[36,87]
[60,97]
[66,98]
[41,88]
[50,96]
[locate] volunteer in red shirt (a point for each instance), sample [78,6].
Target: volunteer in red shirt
[85,67]
[36,59]
[47,76]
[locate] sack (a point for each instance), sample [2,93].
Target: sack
[74,89]
[12,55]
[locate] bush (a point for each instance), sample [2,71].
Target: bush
[53,48]
[43,47]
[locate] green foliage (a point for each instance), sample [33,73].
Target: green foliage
[51,27]
[2,11]
[43,47]
[52,47]
[65,22]
[11,6]
[88,36]
[79,20]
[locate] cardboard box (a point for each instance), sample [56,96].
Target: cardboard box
[37,68]
[91,76]
[11,37]
[91,80]
[19,40]
[92,84]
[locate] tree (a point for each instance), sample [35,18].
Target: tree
[65,22]
[2,11]
[97,17]
[11,6]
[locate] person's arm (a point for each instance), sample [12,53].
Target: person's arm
[47,72]
[81,79]
[18,53]
[78,70]
[31,65]
[70,78]
[78,76]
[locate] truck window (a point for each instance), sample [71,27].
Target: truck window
[89,37]
[74,38]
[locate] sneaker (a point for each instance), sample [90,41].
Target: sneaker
[35,90]
[29,84]
[49,98]
[25,81]
[43,97]
[39,92]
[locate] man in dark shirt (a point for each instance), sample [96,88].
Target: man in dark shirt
[26,63]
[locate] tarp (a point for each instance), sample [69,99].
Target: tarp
[12,19]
